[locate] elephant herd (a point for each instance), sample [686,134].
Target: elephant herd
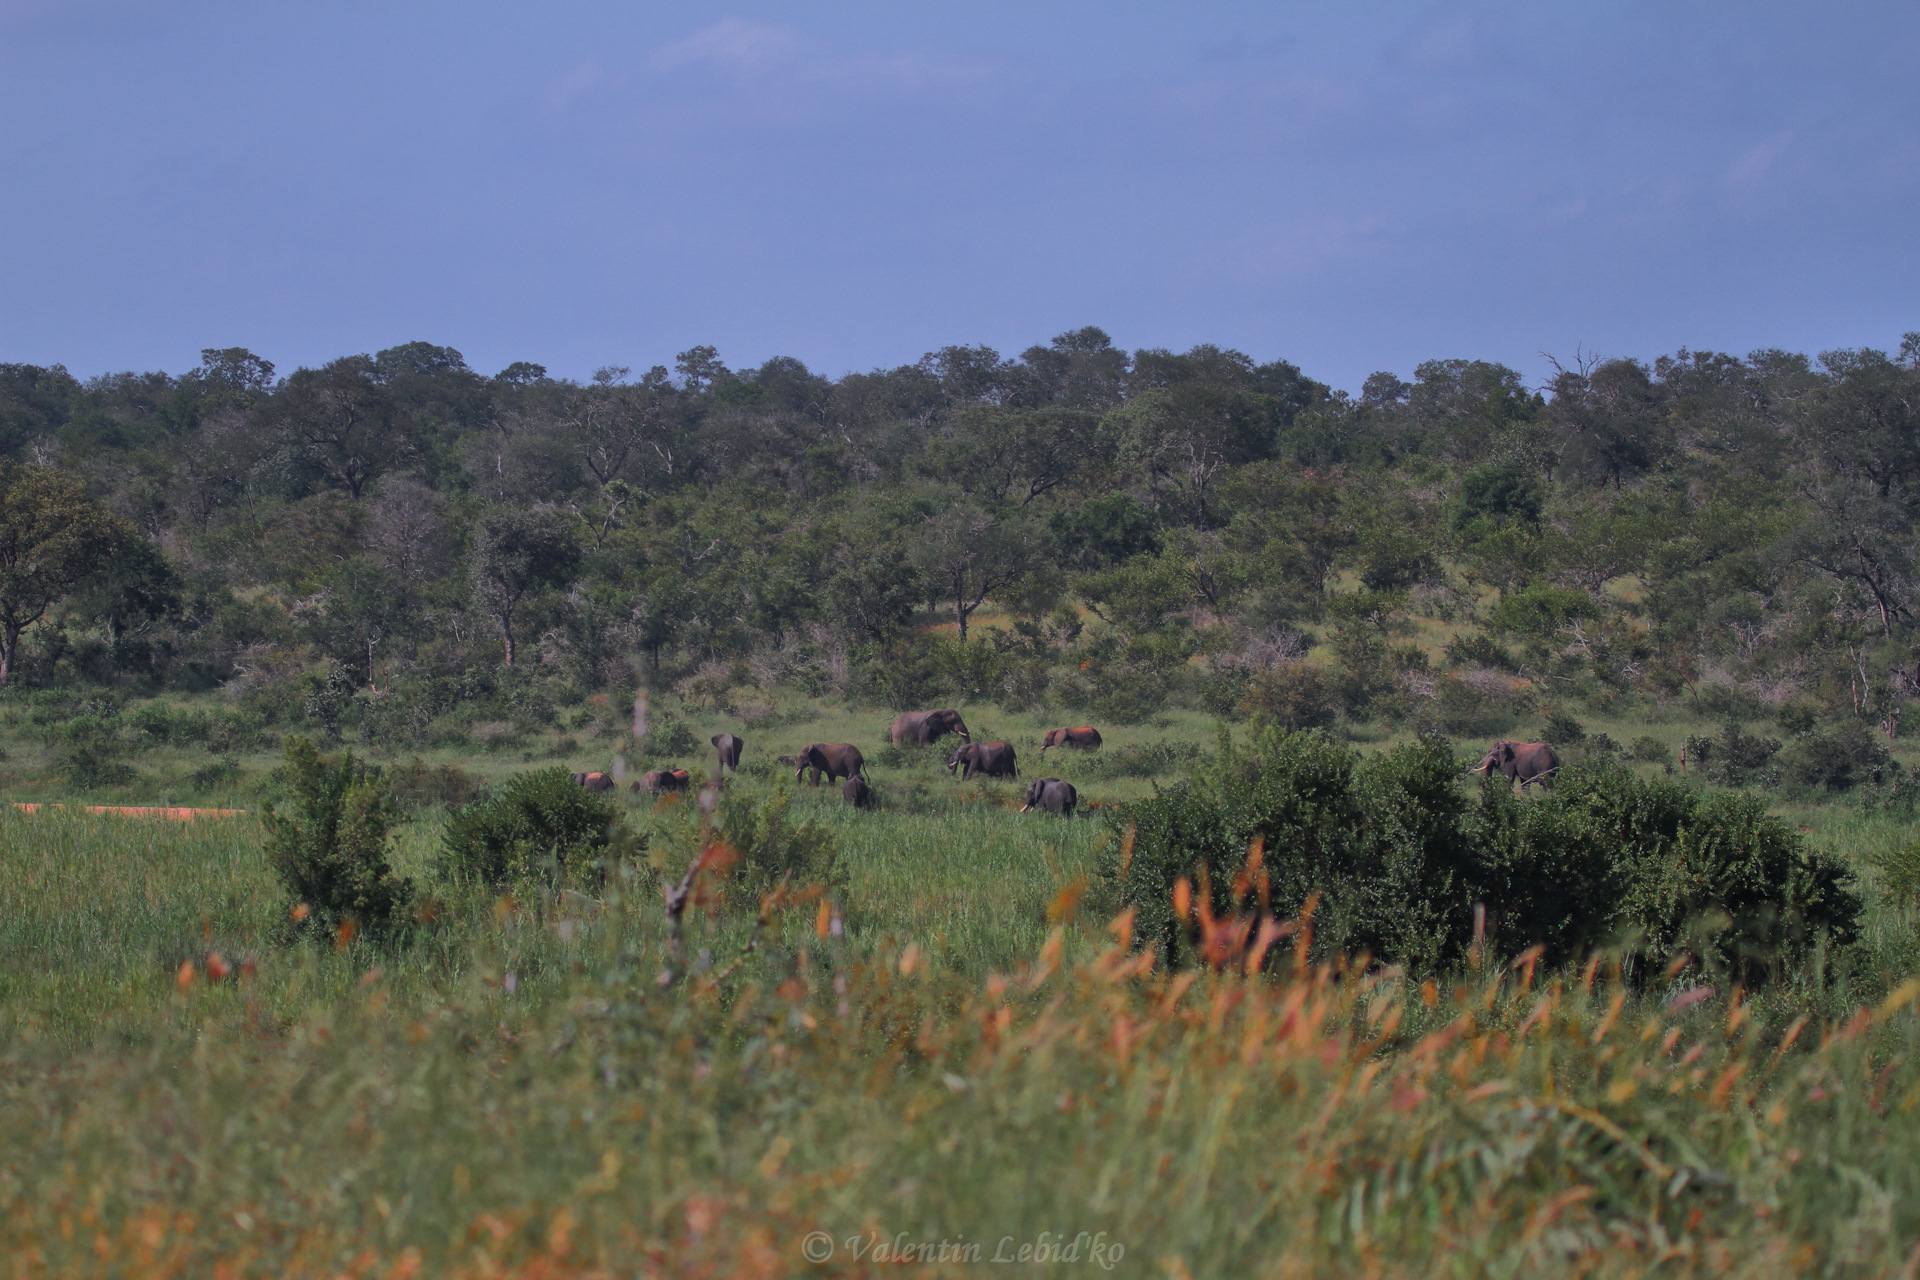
[842,760]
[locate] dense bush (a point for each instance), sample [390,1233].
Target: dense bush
[529,819]
[1837,760]
[1293,695]
[1401,852]
[329,845]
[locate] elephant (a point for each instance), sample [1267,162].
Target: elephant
[1086,739]
[995,759]
[730,748]
[593,781]
[837,760]
[659,780]
[918,728]
[857,792]
[1524,762]
[1051,794]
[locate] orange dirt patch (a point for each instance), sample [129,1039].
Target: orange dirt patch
[142,811]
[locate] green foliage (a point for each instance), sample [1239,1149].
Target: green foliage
[1841,759]
[1500,492]
[531,820]
[774,844]
[329,843]
[1401,854]
[1648,749]
[1562,730]
[1293,695]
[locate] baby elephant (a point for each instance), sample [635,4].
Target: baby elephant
[1051,794]
[857,792]
[659,780]
[593,781]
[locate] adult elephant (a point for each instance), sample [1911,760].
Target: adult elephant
[836,760]
[1522,762]
[919,728]
[995,759]
[593,781]
[1085,738]
[729,747]
[857,792]
[660,780]
[1051,794]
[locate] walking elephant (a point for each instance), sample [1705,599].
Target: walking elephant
[593,781]
[1522,762]
[836,760]
[995,759]
[1084,738]
[1051,794]
[919,728]
[729,746]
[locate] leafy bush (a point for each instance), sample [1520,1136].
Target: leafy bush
[1562,730]
[1648,749]
[418,784]
[1478,649]
[1401,853]
[92,763]
[668,735]
[772,845]
[222,771]
[1742,754]
[1838,760]
[1293,695]
[528,819]
[329,847]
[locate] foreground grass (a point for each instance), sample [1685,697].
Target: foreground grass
[974,1061]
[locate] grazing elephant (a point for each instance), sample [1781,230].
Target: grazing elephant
[659,780]
[1522,762]
[857,792]
[729,748]
[918,728]
[1051,794]
[995,759]
[837,760]
[593,781]
[1083,738]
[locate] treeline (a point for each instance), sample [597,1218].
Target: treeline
[375,543]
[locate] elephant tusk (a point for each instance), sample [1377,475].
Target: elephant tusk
[1025,807]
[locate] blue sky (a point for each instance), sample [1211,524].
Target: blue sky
[1351,187]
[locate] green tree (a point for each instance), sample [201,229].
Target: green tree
[968,552]
[54,539]
[329,846]
[518,553]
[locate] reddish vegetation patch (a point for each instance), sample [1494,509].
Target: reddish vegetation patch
[142,811]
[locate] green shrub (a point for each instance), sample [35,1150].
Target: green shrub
[1479,650]
[1401,853]
[418,784]
[669,736]
[1562,730]
[529,819]
[1293,695]
[1742,755]
[772,845]
[329,847]
[1648,749]
[1839,760]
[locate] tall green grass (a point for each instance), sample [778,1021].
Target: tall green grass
[973,1060]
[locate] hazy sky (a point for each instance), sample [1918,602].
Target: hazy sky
[1348,186]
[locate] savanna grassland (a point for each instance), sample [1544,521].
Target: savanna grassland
[963,1052]
[1290,994]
